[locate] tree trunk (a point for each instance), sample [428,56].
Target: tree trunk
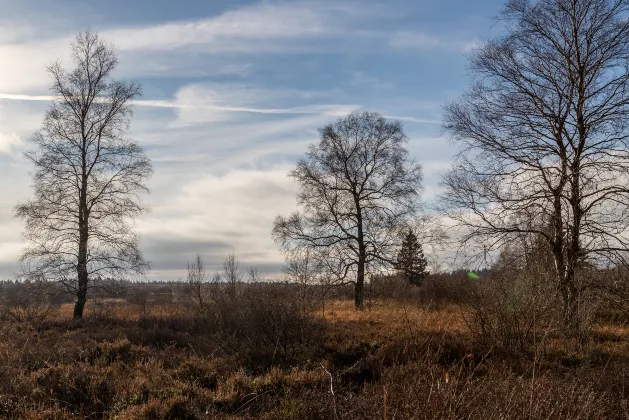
[567,286]
[571,303]
[81,267]
[82,277]
[359,287]
[81,298]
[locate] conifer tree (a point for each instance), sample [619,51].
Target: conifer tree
[411,262]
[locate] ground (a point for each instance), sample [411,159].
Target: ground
[397,359]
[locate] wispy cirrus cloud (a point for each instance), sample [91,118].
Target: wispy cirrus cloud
[210,102]
[260,28]
[197,107]
[240,29]
[266,27]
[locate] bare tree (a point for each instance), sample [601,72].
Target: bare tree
[197,279]
[307,273]
[302,268]
[253,275]
[232,274]
[544,140]
[88,176]
[358,187]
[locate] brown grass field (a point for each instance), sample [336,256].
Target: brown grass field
[395,360]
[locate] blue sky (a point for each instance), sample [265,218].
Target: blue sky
[234,91]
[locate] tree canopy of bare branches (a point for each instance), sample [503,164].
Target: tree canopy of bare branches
[357,188]
[544,139]
[88,177]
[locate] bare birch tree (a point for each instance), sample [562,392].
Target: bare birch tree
[197,283]
[358,187]
[232,275]
[544,139]
[88,177]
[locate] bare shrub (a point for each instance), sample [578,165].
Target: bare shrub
[195,291]
[267,326]
[265,323]
[29,301]
[389,286]
[101,308]
[505,312]
[435,292]
[612,293]
[138,296]
[423,390]
[438,290]
[306,272]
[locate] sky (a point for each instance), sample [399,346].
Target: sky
[233,93]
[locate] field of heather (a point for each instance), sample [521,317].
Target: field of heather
[400,358]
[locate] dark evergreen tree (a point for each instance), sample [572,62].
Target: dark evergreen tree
[411,262]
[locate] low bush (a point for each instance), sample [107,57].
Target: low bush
[30,301]
[511,313]
[265,324]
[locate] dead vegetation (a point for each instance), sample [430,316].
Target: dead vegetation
[254,351]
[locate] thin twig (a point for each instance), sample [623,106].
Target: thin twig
[336,416]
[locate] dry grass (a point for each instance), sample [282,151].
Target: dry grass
[393,360]
[388,314]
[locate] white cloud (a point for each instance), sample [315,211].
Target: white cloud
[8,142]
[259,22]
[472,45]
[257,28]
[217,187]
[23,66]
[216,183]
[13,188]
[236,209]
[10,32]
[436,166]
[181,47]
[33,98]
[18,120]
[211,102]
[361,79]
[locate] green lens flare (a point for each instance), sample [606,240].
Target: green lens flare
[473,275]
